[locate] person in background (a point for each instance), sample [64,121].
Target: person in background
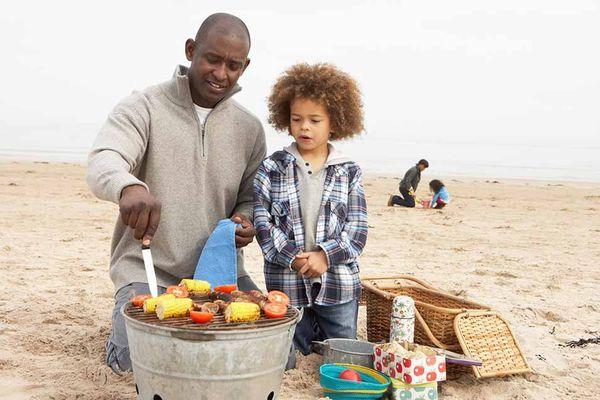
[441,197]
[310,211]
[408,186]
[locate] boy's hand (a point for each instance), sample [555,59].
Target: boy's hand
[316,264]
[244,235]
[299,261]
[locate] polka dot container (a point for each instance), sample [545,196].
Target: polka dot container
[411,371]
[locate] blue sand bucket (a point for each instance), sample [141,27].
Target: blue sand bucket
[373,385]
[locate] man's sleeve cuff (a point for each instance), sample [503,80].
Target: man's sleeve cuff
[120,182]
[245,209]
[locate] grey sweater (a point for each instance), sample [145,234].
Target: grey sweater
[200,173]
[411,179]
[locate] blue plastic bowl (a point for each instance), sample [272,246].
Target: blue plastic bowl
[374,384]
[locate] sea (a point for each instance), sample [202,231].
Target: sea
[376,154]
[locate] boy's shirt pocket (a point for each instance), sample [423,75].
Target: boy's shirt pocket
[282,218]
[337,211]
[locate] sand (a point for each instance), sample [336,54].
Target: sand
[529,249]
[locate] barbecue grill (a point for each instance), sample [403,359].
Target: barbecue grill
[177,359]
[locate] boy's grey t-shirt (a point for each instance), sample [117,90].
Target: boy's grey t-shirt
[311,184]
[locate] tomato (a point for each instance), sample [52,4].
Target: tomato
[350,375]
[138,300]
[275,296]
[226,288]
[178,291]
[201,317]
[275,310]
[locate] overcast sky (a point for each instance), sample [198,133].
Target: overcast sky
[483,71]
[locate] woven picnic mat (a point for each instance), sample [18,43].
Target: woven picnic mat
[486,336]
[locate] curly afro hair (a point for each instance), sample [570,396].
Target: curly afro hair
[323,83]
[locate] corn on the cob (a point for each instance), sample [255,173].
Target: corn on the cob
[171,308]
[196,286]
[151,303]
[242,312]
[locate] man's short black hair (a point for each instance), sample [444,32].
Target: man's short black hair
[423,162]
[230,22]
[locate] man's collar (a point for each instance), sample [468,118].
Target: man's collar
[178,89]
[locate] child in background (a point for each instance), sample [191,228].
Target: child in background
[441,197]
[309,204]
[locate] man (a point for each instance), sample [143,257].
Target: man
[182,154]
[408,186]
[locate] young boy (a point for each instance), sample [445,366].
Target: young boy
[309,204]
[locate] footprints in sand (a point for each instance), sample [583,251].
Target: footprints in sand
[8,365]
[55,339]
[505,278]
[538,314]
[590,307]
[13,388]
[380,254]
[505,274]
[550,316]
[501,274]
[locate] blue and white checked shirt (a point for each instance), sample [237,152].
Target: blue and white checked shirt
[341,229]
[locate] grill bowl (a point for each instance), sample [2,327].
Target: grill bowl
[178,359]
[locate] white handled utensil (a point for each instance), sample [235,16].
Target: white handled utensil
[150,274]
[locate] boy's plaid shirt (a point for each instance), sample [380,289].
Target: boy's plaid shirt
[341,229]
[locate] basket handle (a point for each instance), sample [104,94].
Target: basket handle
[431,337]
[405,277]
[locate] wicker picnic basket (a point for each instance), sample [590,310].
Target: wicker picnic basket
[435,310]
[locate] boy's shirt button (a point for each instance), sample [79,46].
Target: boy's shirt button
[307,164]
[309,172]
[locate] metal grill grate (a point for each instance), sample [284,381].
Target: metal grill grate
[217,324]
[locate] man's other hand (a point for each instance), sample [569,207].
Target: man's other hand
[244,235]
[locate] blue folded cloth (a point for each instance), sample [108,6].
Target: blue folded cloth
[218,261]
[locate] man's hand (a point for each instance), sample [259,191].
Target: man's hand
[244,235]
[316,264]
[140,211]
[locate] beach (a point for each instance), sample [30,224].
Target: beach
[529,249]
